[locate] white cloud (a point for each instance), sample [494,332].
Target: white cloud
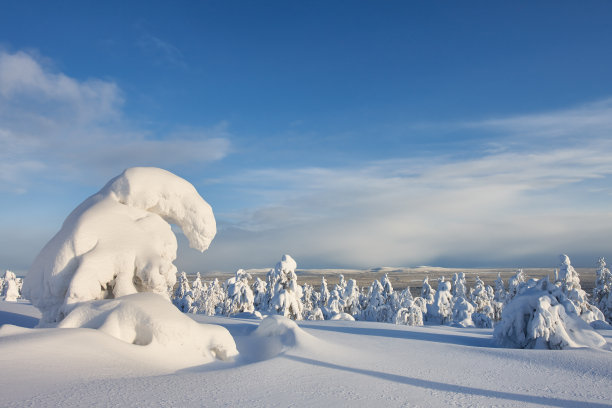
[523,203]
[55,125]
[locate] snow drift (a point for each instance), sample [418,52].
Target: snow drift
[148,319]
[119,242]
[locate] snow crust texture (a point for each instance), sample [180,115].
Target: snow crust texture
[119,242]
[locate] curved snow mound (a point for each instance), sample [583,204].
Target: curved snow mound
[343,316]
[148,319]
[284,329]
[118,242]
[541,316]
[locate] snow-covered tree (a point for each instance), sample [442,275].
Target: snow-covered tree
[513,284]
[351,298]
[240,297]
[387,286]
[259,294]
[462,312]
[323,294]
[410,316]
[481,298]
[441,309]
[341,286]
[405,298]
[500,289]
[569,282]
[316,314]
[10,287]
[197,287]
[287,296]
[603,286]
[183,297]
[459,288]
[212,302]
[335,305]
[376,310]
[427,292]
[307,300]
[541,316]
[118,242]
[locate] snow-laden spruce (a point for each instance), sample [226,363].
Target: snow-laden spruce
[540,315]
[119,242]
[10,286]
[602,297]
[567,278]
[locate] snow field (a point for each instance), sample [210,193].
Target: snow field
[332,363]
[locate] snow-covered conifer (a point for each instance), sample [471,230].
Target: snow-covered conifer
[376,309]
[287,296]
[500,289]
[10,287]
[307,300]
[541,316]
[513,284]
[410,316]
[387,286]
[335,304]
[427,292]
[462,312]
[603,287]
[323,293]
[481,298]
[441,309]
[213,300]
[316,314]
[183,297]
[569,282]
[351,298]
[239,295]
[259,294]
[459,288]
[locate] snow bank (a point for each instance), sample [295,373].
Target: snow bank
[148,319]
[118,242]
[541,316]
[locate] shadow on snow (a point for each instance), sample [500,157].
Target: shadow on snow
[435,385]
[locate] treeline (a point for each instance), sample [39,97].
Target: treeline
[452,302]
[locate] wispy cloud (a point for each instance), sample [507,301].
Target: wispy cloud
[522,203]
[162,51]
[52,125]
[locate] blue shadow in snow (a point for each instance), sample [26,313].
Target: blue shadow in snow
[17,319]
[435,385]
[448,338]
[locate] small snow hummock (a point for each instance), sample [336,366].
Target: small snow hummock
[285,329]
[119,242]
[149,319]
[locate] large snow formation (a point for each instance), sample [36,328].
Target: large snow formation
[118,242]
[148,319]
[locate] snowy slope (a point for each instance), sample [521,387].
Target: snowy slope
[324,363]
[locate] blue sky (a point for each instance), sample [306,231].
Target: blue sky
[348,134]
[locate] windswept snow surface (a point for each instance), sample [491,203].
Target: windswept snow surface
[119,242]
[311,363]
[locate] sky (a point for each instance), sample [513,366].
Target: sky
[349,134]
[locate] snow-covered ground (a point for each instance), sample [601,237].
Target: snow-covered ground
[321,363]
